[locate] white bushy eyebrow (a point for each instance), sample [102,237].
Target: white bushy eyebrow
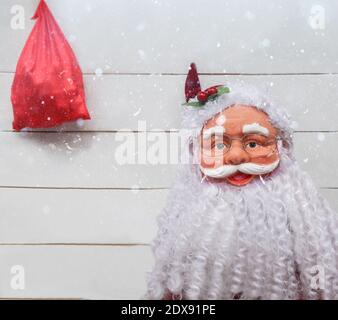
[255,128]
[216,130]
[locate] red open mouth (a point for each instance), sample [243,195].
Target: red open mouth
[240,179]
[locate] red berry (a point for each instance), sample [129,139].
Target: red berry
[211,91]
[202,97]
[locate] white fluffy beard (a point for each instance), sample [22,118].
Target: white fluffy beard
[261,241]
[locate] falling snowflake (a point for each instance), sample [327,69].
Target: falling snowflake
[80,122]
[294,125]
[249,15]
[99,72]
[321,136]
[88,7]
[141,27]
[141,54]
[135,189]
[265,43]
[72,38]
[46,209]
[68,146]
[137,112]
[221,120]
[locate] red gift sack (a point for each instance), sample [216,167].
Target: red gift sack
[48,85]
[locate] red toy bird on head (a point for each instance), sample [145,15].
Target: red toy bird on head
[192,84]
[193,89]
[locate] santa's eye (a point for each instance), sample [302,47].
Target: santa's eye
[252,144]
[220,146]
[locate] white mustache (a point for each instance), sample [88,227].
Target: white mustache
[248,168]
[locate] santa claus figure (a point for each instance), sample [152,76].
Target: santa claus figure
[244,221]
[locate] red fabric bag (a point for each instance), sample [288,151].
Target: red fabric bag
[48,85]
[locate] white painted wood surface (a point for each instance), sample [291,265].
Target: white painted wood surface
[82,272]
[90,160]
[120,101]
[88,216]
[162,36]
[79,216]
[69,214]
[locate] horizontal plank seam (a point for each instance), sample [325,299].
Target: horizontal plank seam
[87,131]
[75,244]
[40,298]
[132,131]
[83,188]
[202,73]
[107,188]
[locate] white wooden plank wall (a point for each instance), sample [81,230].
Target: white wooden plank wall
[79,223]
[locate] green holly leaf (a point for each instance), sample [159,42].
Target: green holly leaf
[193,104]
[223,90]
[220,91]
[213,97]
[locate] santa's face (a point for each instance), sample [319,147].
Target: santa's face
[237,145]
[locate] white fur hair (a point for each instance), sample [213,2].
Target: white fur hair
[264,240]
[194,118]
[260,241]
